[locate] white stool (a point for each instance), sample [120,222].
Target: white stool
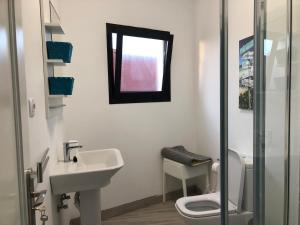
[184,172]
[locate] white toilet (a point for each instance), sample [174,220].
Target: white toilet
[205,209]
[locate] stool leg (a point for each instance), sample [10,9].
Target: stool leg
[164,187]
[208,179]
[184,187]
[207,188]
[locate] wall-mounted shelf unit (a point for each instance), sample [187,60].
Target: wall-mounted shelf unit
[57,96]
[55,62]
[57,106]
[54,28]
[52,102]
[55,102]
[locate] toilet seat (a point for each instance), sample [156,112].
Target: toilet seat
[202,206]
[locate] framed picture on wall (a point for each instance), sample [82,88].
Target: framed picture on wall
[246,72]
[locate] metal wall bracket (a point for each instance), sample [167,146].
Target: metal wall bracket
[41,166]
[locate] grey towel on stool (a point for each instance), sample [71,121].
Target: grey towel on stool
[181,155]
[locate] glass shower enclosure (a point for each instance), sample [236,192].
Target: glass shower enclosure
[275,95]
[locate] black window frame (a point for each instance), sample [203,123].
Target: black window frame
[114,80]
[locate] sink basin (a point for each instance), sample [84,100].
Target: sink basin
[93,170]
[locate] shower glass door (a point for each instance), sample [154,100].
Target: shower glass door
[277,112]
[272,112]
[9,193]
[12,190]
[270,103]
[294,218]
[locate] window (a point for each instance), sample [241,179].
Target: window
[139,62]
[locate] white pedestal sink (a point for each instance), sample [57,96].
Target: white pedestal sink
[93,171]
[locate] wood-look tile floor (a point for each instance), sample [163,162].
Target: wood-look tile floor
[158,214]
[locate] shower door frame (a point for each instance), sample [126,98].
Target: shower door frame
[259,111]
[224,110]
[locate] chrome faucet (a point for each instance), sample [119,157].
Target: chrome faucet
[68,146]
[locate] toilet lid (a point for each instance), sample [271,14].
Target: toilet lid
[236,175]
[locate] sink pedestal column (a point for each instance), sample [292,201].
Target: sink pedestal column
[90,208]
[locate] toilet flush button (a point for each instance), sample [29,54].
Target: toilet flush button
[32,107]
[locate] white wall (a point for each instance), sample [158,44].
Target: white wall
[207,63]
[138,130]
[43,133]
[240,122]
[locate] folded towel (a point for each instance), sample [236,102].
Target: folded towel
[181,155]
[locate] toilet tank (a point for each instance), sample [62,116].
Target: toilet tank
[247,204]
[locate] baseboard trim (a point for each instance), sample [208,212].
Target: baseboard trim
[142,203]
[128,207]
